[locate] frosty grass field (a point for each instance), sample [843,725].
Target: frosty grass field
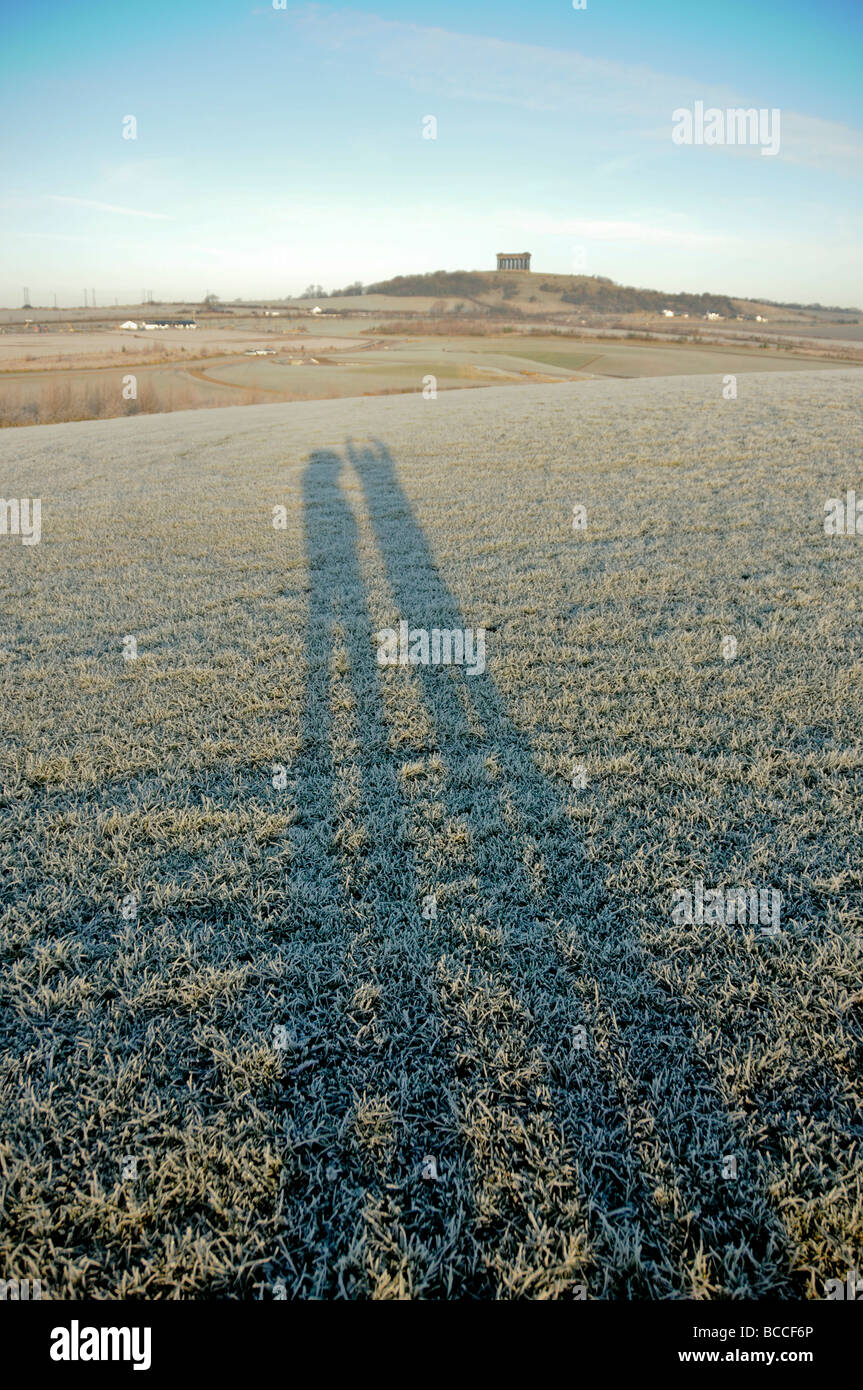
[231,1040]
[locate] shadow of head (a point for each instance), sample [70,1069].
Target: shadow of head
[323,467]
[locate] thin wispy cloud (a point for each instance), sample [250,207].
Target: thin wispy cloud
[473,68]
[143,174]
[110,207]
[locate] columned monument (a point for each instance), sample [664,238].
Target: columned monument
[513,260]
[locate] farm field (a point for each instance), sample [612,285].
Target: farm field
[51,377]
[362,981]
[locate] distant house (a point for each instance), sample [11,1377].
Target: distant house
[668,313]
[316,310]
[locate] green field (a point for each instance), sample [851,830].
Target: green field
[232,1038]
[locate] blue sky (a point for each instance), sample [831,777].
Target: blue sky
[279,147]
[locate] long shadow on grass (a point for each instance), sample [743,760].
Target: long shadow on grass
[574,955]
[368,1088]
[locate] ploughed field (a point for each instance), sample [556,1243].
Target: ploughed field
[328,978]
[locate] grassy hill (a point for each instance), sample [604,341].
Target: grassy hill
[514,293]
[515,289]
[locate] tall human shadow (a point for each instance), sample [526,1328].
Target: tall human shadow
[349,932]
[666,1081]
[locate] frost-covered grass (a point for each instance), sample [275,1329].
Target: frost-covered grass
[260,908]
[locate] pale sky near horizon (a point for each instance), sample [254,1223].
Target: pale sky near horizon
[281,147]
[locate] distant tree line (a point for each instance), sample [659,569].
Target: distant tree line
[436,284]
[607,297]
[318,291]
[824,308]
